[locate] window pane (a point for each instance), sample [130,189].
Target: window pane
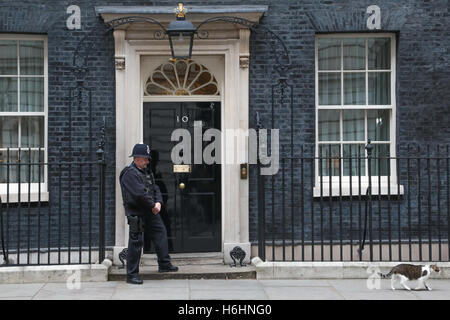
[32,94]
[351,164]
[8,94]
[380,160]
[9,132]
[8,167]
[378,125]
[354,54]
[32,132]
[330,155]
[379,53]
[380,88]
[31,57]
[329,125]
[329,88]
[329,54]
[355,88]
[30,166]
[353,125]
[8,57]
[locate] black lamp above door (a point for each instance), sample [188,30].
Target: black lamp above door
[181,35]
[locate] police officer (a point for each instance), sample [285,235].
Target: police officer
[142,197]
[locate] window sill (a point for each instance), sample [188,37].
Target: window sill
[344,191]
[34,197]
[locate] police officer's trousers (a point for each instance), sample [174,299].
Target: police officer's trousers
[158,234]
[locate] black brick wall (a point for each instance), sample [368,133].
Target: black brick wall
[422,94]
[423,73]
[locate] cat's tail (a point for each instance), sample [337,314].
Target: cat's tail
[386,275]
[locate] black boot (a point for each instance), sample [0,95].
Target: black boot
[169,268]
[134,280]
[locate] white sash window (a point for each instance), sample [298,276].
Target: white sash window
[23,110]
[355,101]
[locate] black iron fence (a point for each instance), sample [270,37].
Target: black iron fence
[356,203]
[51,213]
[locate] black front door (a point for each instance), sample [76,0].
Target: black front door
[192,214]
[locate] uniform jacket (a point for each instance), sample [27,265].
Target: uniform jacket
[139,191]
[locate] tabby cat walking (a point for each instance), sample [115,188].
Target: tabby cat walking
[406,272]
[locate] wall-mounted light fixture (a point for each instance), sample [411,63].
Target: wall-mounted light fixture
[181,34]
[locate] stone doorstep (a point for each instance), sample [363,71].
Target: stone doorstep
[194,271]
[55,273]
[185,259]
[332,270]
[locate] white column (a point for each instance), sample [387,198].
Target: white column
[238,188]
[120,63]
[244,55]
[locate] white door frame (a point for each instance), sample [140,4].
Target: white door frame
[234,109]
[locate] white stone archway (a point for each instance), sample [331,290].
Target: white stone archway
[230,41]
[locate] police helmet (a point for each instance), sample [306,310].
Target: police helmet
[141,150]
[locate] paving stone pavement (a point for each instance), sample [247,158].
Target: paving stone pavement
[348,289]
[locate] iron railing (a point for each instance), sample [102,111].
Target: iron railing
[56,214]
[391,209]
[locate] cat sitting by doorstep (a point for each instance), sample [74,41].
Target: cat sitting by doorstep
[406,272]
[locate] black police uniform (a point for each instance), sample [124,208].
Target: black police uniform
[140,193]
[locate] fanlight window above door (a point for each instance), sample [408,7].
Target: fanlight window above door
[181,78]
